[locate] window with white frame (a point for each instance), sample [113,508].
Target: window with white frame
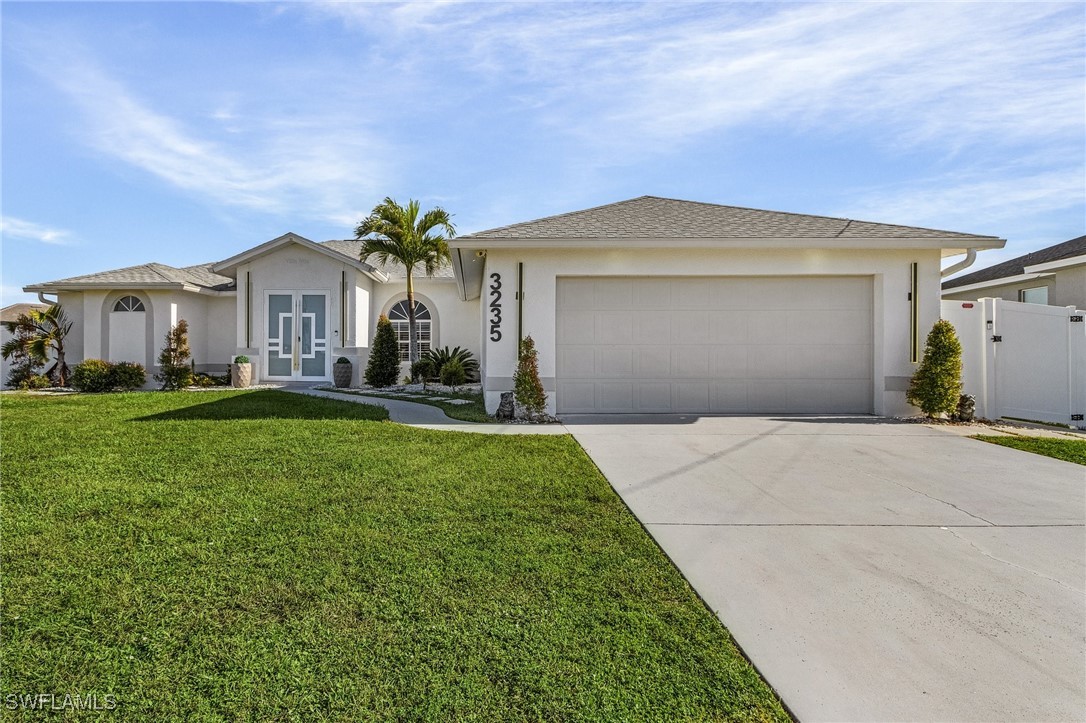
[128,303]
[398,316]
[1036,295]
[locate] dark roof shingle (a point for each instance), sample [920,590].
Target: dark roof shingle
[1017,266]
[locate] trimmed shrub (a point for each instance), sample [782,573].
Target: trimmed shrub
[453,374]
[241,359]
[98,375]
[383,368]
[937,384]
[174,371]
[128,375]
[35,381]
[92,375]
[343,360]
[527,387]
[440,357]
[423,370]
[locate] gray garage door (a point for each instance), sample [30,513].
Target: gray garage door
[714,345]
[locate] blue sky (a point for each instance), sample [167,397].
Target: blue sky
[187,132]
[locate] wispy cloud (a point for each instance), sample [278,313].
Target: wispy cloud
[955,74]
[301,167]
[17,228]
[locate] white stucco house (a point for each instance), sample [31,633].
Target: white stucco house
[646,305]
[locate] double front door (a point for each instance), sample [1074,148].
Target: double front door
[297,335]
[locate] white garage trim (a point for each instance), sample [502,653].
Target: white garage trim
[728,345]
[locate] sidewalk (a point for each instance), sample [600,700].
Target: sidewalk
[425,416]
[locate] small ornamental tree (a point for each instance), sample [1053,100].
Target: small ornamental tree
[174,370]
[937,384]
[527,387]
[383,368]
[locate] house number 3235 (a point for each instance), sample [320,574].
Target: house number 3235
[495,307]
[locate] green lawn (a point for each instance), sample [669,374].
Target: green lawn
[260,556]
[474,412]
[1069,450]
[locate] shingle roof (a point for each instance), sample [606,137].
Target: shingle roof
[353,247]
[14,311]
[1017,266]
[655,217]
[152,274]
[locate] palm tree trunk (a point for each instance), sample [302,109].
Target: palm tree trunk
[412,338]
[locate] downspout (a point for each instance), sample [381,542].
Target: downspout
[970,257]
[42,299]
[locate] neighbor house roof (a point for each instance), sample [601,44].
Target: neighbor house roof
[1017,266]
[14,311]
[652,217]
[144,275]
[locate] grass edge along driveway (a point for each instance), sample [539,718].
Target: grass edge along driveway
[261,555]
[1069,450]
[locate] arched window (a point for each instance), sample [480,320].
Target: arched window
[398,316]
[128,303]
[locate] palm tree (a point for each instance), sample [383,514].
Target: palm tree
[47,330]
[392,231]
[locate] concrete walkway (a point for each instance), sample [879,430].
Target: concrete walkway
[872,570]
[426,416]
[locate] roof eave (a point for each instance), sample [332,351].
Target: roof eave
[49,288]
[1001,281]
[950,245]
[1057,264]
[228,267]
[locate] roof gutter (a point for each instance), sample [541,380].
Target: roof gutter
[42,299]
[970,257]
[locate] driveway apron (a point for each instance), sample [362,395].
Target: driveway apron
[871,570]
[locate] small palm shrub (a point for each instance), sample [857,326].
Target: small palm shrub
[453,374]
[527,387]
[174,370]
[937,384]
[383,368]
[440,357]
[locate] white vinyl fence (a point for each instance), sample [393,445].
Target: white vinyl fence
[1026,361]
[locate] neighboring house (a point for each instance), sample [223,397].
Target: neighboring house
[646,305]
[1055,275]
[11,313]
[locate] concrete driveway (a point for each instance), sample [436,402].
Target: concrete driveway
[872,570]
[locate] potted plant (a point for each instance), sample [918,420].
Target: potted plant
[241,372]
[342,371]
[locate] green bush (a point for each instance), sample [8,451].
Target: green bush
[241,359]
[98,375]
[128,375]
[92,375]
[527,387]
[35,381]
[937,384]
[383,368]
[423,370]
[440,357]
[453,374]
[343,360]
